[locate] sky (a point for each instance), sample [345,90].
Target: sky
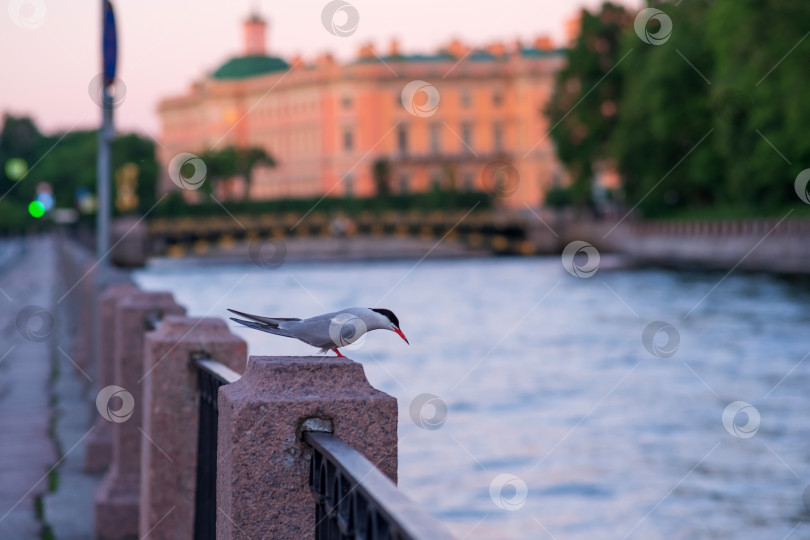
[50,49]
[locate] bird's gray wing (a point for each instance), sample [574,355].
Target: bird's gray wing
[274,321]
[330,330]
[266,324]
[264,327]
[315,330]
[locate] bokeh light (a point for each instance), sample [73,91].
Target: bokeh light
[46,199]
[16,169]
[36,209]
[85,201]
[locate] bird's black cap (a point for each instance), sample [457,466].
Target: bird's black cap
[388,313]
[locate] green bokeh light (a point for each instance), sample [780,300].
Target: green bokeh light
[36,209]
[16,169]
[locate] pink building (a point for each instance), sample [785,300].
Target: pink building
[449,119]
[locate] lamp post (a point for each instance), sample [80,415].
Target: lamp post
[106,132]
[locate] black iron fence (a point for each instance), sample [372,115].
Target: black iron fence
[353,499]
[211,375]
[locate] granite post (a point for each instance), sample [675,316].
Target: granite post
[117,497]
[262,463]
[171,418]
[83,350]
[98,448]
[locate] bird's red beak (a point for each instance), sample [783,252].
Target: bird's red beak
[398,331]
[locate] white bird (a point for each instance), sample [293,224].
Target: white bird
[327,331]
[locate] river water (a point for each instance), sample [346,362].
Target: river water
[563,420]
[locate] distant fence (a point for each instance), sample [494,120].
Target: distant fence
[500,233]
[198,443]
[738,227]
[772,245]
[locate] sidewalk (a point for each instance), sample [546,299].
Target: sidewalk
[46,406]
[26,450]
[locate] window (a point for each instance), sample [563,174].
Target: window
[466,135]
[402,138]
[404,180]
[497,136]
[347,102]
[497,98]
[435,138]
[465,98]
[348,139]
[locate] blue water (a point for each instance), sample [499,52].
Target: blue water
[545,378]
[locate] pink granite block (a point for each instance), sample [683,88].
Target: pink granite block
[117,496]
[98,448]
[262,464]
[171,418]
[83,346]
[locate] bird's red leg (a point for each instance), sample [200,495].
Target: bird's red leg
[338,353]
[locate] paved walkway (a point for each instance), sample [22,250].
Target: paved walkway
[45,406]
[26,450]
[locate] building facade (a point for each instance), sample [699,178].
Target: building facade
[461,117]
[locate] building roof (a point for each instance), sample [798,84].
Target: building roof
[541,53]
[392,58]
[242,67]
[477,55]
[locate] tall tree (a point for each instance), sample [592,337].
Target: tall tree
[663,143]
[583,109]
[233,161]
[763,52]
[132,148]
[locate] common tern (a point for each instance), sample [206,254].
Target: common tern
[328,331]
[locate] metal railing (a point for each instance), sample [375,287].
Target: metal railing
[210,375]
[354,499]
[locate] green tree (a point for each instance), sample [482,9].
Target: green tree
[233,161]
[66,161]
[663,143]
[762,53]
[20,139]
[70,165]
[583,109]
[132,148]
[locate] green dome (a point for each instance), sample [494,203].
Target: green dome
[242,67]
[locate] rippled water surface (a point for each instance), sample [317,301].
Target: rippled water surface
[546,378]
